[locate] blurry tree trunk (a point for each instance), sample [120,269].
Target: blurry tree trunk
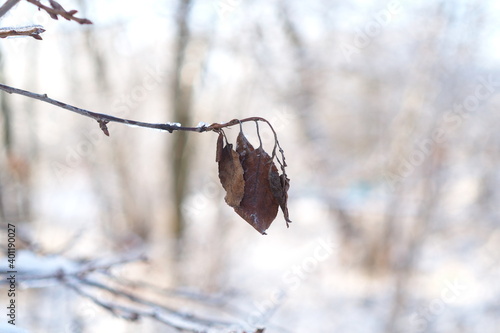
[303,95]
[15,180]
[431,195]
[431,177]
[177,156]
[132,219]
[6,140]
[6,113]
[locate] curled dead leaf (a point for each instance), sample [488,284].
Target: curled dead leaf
[230,173]
[254,187]
[258,206]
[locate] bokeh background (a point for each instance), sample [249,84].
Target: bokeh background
[388,115]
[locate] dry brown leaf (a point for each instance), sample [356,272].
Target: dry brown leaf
[259,205]
[254,187]
[230,173]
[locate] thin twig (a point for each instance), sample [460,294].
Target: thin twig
[141,307]
[125,312]
[30,30]
[56,9]
[7,6]
[139,300]
[101,118]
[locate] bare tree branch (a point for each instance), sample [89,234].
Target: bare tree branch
[57,9]
[82,270]
[30,30]
[144,302]
[7,6]
[181,321]
[134,313]
[127,313]
[93,281]
[103,119]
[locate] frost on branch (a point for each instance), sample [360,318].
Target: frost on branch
[30,30]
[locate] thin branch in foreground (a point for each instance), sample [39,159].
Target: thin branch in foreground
[132,313]
[90,281]
[30,30]
[134,307]
[103,119]
[80,269]
[141,301]
[56,9]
